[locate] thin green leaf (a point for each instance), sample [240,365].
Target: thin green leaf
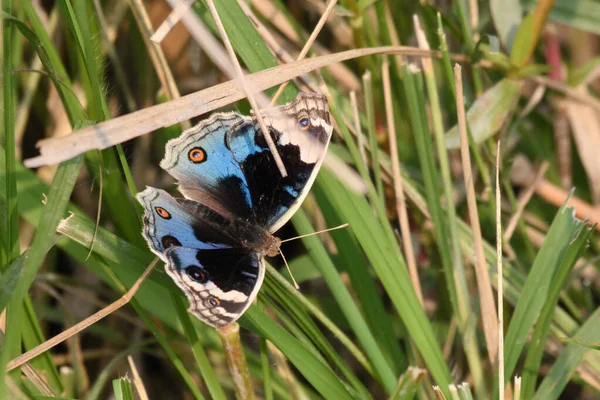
[569,359]
[122,388]
[317,373]
[534,293]
[542,328]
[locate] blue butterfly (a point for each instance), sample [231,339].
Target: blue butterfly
[213,241]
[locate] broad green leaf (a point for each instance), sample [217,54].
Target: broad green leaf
[506,15]
[580,14]
[489,112]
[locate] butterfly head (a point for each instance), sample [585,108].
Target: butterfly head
[271,246]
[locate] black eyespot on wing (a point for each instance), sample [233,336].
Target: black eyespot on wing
[169,241]
[213,301]
[197,155]
[304,123]
[197,273]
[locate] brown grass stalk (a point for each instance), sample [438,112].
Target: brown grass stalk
[397,183]
[500,288]
[489,316]
[75,329]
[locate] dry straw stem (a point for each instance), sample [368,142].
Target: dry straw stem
[397,182]
[75,329]
[246,88]
[523,200]
[127,127]
[157,56]
[309,42]
[137,381]
[571,92]
[171,20]
[585,126]
[37,380]
[500,276]
[517,394]
[357,128]
[522,173]
[236,361]
[489,316]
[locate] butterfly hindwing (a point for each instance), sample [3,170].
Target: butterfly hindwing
[204,255]
[219,284]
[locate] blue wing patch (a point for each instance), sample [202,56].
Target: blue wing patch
[168,223]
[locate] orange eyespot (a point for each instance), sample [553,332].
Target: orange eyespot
[304,123]
[197,155]
[163,213]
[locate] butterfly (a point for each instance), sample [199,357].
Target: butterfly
[214,240]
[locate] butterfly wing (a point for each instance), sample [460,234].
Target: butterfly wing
[220,284]
[238,175]
[203,254]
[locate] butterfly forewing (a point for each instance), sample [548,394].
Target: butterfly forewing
[238,175]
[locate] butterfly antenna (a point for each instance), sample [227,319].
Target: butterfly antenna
[315,233]
[289,270]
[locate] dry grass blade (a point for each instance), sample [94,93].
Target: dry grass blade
[359,134]
[574,94]
[309,42]
[246,88]
[585,127]
[397,183]
[500,279]
[523,200]
[488,309]
[50,343]
[157,56]
[171,20]
[37,380]
[137,381]
[127,127]
[521,174]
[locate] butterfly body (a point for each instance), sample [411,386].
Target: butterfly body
[213,241]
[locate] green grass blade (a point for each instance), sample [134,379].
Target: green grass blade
[344,300]
[431,179]
[122,389]
[542,327]
[535,291]
[314,370]
[12,341]
[570,358]
[392,273]
[208,374]
[54,210]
